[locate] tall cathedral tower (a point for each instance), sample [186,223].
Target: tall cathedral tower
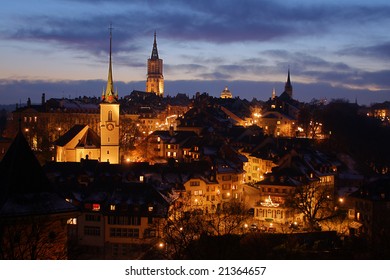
[155,78]
[109,119]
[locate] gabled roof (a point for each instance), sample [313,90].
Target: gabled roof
[275,115]
[89,138]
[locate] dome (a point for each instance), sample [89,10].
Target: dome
[226,93]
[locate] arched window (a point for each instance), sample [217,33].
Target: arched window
[110,116]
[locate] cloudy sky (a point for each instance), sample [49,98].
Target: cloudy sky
[334,49]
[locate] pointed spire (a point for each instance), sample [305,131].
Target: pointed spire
[288,76]
[109,95]
[288,87]
[273,93]
[154,50]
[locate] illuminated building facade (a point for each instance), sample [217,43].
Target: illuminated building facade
[155,78]
[109,120]
[226,93]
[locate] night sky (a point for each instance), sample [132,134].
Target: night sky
[334,49]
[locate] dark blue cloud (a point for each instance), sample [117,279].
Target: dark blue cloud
[213,21]
[379,51]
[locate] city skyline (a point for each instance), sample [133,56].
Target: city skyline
[333,50]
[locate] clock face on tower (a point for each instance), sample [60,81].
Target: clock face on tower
[110,126]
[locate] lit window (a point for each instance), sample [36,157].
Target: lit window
[150,208]
[112,207]
[96,207]
[141,178]
[72,221]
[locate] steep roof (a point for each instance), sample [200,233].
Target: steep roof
[20,170]
[90,138]
[25,189]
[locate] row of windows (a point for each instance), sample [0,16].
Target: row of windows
[124,220]
[30,119]
[268,213]
[277,190]
[92,218]
[198,192]
[171,154]
[92,231]
[124,232]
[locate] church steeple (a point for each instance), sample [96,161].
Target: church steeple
[154,50]
[109,95]
[155,78]
[288,87]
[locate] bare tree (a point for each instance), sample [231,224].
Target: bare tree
[229,219]
[310,118]
[33,238]
[181,229]
[314,202]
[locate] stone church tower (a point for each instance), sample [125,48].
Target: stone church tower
[109,119]
[155,78]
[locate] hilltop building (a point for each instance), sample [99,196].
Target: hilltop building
[280,114]
[226,93]
[155,78]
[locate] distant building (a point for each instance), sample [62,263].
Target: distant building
[277,124]
[226,93]
[280,115]
[155,78]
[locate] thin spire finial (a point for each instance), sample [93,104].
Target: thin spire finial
[109,95]
[154,50]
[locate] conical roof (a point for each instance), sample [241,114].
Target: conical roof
[24,188]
